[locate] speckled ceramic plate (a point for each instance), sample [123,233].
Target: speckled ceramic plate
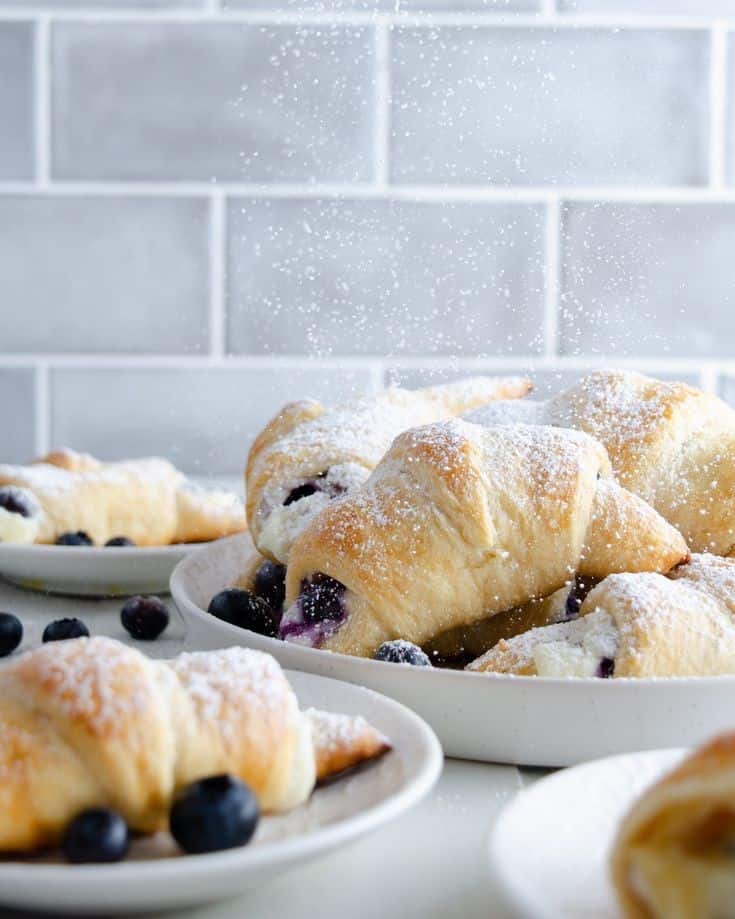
[549,847]
[91,570]
[156,875]
[491,717]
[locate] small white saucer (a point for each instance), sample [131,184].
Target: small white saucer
[156,876]
[92,571]
[549,848]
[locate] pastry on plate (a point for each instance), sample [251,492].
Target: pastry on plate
[673,855]
[635,625]
[146,500]
[309,454]
[669,443]
[459,522]
[93,723]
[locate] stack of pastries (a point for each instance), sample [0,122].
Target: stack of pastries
[592,534]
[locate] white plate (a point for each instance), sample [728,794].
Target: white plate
[491,717]
[549,847]
[156,876]
[92,570]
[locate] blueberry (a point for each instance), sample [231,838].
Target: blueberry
[11,633]
[606,668]
[119,541]
[62,629]
[14,501]
[402,652]
[270,584]
[321,597]
[220,812]
[144,617]
[80,538]
[96,835]
[244,609]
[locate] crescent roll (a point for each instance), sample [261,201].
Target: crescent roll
[459,522]
[669,443]
[635,625]
[673,855]
[147,500]
[309,454]
[94,723]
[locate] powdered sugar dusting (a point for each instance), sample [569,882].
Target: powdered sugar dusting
[333,732]
[97,681]
[232,679]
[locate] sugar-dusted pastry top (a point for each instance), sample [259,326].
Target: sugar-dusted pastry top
[668,442]
[636,625]
[459,522]
[308,454]
[94,723]
[147,500]
[673,854]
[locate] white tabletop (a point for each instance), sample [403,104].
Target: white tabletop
[429,863]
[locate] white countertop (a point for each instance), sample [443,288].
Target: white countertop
[429,863]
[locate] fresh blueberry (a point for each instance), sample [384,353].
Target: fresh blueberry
[244,609]
[321,597]
[11,633]
[606,668]
[62,629]
[144,617]
[119,541]
[96,835]
[80,538]
[220,812]
[402,652]
[14,501]
[270,584]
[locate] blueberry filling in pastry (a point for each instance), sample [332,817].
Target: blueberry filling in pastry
[284,515]
[331,487]
[16,501]
[319,611]
[20,515]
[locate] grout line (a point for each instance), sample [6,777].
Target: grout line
[42,410]
[718,106]
[217,243]
[366,362]
[552,256]
[382,108]
[42,93]
[475,18]
[538,194]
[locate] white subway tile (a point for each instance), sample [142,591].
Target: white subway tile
[538,106]
[382,277]
[110,274]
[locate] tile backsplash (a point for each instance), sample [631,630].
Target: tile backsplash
[208,207]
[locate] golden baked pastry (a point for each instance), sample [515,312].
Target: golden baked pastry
[147,500]
[458,522]
[673,855]
[309,454]
[93,723]
[669,443]
[636,625]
